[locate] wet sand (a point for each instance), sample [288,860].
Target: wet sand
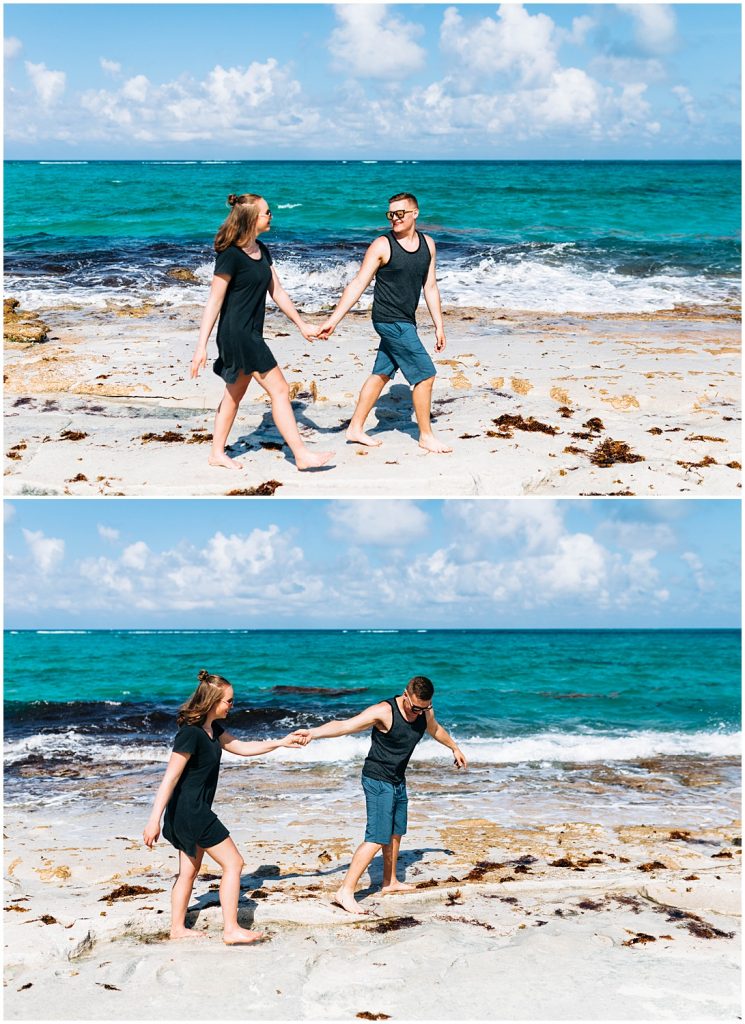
[619,404]
[541,919]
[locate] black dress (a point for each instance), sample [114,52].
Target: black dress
[240,332]
[189,820]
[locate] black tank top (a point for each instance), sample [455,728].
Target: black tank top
[399,283]
[390,751]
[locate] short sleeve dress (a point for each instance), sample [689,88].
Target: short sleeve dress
[189,820]
[240,333]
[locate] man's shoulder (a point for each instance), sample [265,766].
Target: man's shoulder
[429,240]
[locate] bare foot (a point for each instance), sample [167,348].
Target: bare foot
[345,899]
[397,887]
[360,437]
[242,937]
[223,460]
[431,444]
[311,460]
[186,933]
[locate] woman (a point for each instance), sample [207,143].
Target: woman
[186,795]
[243,275]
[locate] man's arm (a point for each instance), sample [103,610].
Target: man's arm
[437,732]
[374,715]
[377,254]
[432,297]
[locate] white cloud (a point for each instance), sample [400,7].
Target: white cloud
[379,521]
[371,43]
[136,89]
[111,67]
[655,28]
[12,47]
[107,532]
[47,552]
[49,85]
[135,556]
[694,563]
[688,104]
[9,511]
[518,41]
[539,524]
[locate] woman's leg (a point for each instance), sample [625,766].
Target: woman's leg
[181,893]
[224,420]
[276,387]
[227,856]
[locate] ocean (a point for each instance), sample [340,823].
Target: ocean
[556,236]
[534,711]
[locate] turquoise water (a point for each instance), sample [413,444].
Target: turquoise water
[535,235]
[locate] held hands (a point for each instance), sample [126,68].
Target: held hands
[440,339]
[458,758]
[199,361]
[326,330]
[151,833]
[308,331]
[299,738]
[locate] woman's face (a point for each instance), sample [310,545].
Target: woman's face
[264,221]
[225,704]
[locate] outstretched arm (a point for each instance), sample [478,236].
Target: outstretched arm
[287,306]
[174,770]
[209,316]
[375,257]
[251,748]
[374,715]
[432,298]
[437,732]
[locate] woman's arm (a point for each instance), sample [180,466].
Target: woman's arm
[375,257]
[251,748]
[174,770]
[285,303]
[432,298]
[437,732]
[209,317]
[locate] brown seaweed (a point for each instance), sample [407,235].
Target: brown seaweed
[393,924]
[453,898]
[706,461]
[638,937]
[167,437]
[123,891]
[508,422]
[652,865]
[265,490]
[366,1015]
[610,452]
[73,435]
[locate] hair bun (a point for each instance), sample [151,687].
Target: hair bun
[232,199]
[203,675]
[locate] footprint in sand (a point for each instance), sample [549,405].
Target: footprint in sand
[522,387]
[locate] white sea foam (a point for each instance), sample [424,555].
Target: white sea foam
[541,748]
[288,206]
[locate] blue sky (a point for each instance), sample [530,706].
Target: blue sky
[530,563]
[416,81]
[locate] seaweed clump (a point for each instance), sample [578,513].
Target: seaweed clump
[265,490]
[508,423]
[610,452]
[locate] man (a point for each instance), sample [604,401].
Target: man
[402,263]
[398,725]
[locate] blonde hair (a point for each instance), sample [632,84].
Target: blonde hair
[240,224]
[203,700]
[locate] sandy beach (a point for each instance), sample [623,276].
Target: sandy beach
[532,403]
[558,914]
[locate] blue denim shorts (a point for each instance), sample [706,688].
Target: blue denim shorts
[401,349]
[387,806]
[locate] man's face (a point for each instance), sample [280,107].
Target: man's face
[416,704]
[402,214]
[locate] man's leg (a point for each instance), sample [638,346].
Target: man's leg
[363,855]
[390,859]
[421,396]
[370,393]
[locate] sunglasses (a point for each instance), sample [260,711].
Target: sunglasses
[397,214]
[416,708]
[228,701]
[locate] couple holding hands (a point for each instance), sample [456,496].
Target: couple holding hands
[188,789]
[403,265]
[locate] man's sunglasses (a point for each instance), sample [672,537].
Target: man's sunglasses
[416,708]
[397,214]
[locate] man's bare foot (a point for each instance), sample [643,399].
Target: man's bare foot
[186,933]
[223,460]
[360,437]
[345,899]
[242,937]
[397,887]
[431,444]
[311,460]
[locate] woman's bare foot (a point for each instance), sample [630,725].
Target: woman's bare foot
[223,460]
[242,937]
[345,899]
[360,437]
[430,444]
[186,933]
[311,460]
[397,886]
